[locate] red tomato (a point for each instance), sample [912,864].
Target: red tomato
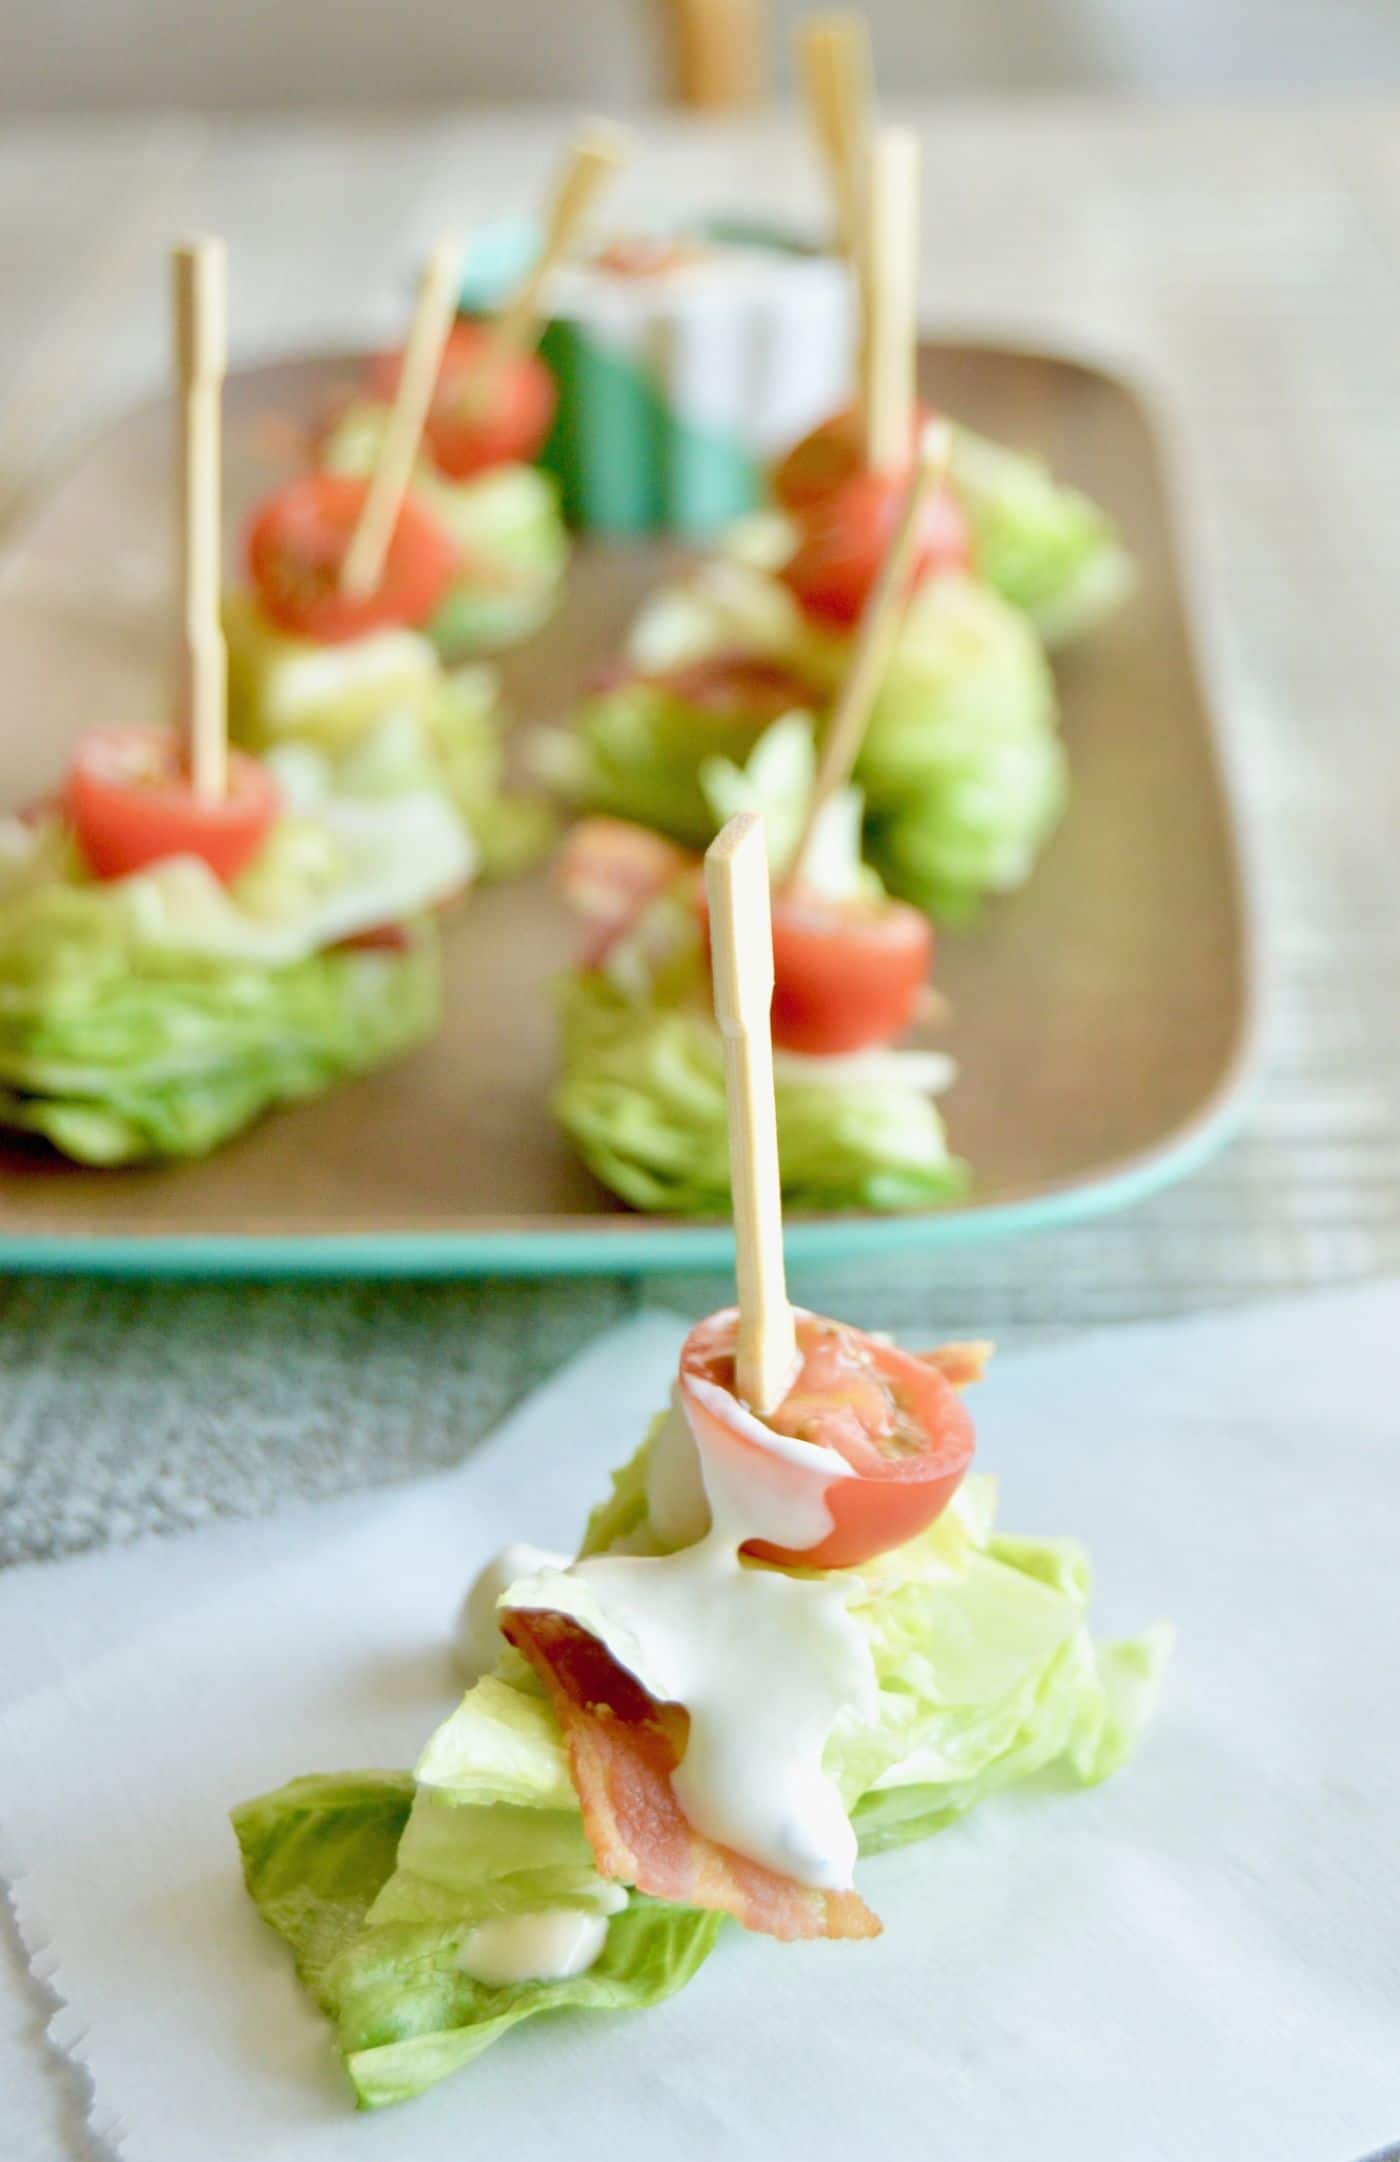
[845,536]
[130,803]
[897,1422]
[493,404]
[296,544]
[827,457]
[847,975]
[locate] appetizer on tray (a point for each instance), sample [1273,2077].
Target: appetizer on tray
[328,643]
[491,408]
[189,935]
[1043,546]
[340,634]
[642,1092]
[962,767]
[791,1638]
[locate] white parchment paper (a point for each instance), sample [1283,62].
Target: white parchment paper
[1201,1959]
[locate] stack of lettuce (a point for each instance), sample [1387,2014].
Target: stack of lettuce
[962,766]
[986,1675]
[154,1015]
[642,1093]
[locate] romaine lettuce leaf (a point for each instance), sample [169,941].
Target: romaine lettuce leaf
[987,1675]
[642,1098]
[1046,548]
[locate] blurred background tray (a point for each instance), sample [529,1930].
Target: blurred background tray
[1101,1016]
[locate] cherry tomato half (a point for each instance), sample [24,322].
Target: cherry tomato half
[130,803]
[493,404]
[828,456]
[296,544]
[846,974]
[896,1422]
[844,538]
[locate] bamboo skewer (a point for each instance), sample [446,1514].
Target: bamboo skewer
[834,69]
[891,293]
[879,627]
[741,946]
[433,312]
[596,154]
[719,57]
[200,312]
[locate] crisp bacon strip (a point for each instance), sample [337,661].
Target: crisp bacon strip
[609,871]
[623,1747]
[960,1363]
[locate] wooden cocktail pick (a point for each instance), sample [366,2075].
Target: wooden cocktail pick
[835,73]
[593,158]
[433,311]
[890,286]
[200,284]
[741,947]
[878,629]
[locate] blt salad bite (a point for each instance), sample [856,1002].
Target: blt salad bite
[642,1093]
[962,766]
[188,934]
[491,409]
[790,1639]
[1043,546]
[328,641]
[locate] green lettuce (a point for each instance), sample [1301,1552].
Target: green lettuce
[642,1099]
[466,742]
[392,719]
[319,1855]
[156,1014]
[962,767]
[1046,548]
[508,525]
[137,1055]
[986,1675]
